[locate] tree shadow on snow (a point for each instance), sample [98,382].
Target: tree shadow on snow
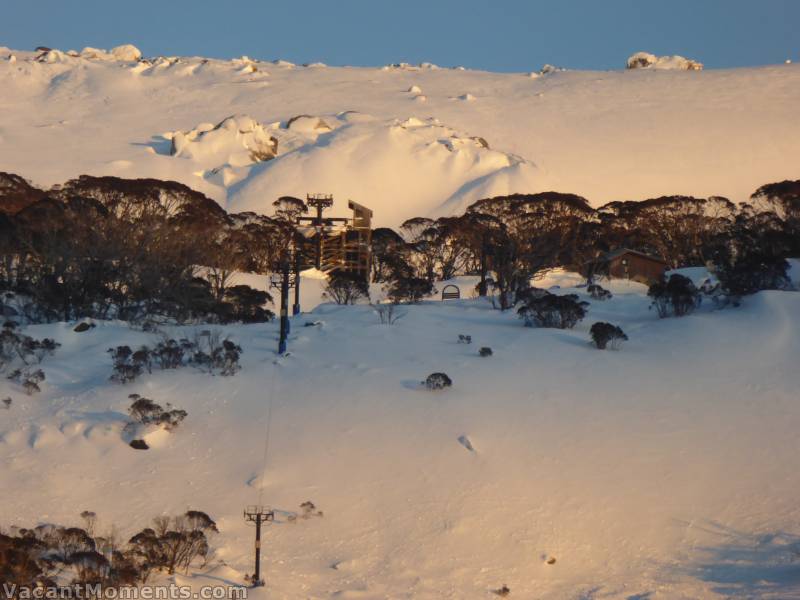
[747,565]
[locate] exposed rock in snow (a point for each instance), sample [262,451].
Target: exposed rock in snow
[52,56]
[645,60]
[547,69]
[237,141]
[90,53]
[467,97]
[403,66]
[126,53]
[307,124]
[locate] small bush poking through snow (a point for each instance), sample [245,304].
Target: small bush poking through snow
[29,379]
[464,339]
[503,591]
[128,365]
[676,296]
[605,333]
[388,313]
[549,310]
[16,346]
[308,510]
[438,381]
[208,352]
[485,351]
[598,292]
[7,403]
[146,412]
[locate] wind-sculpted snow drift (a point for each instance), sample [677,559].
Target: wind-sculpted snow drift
[451,169]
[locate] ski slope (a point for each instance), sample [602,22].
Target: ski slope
[663,470]
[411,147]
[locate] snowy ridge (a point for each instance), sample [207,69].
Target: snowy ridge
[628,134]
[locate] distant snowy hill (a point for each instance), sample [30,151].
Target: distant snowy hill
[404,140]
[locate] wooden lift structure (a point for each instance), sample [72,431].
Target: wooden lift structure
[335,244]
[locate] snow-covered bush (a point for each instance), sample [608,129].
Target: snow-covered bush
[346,288]
[437,381]
[598,292]
[676,296]
[550,310]
[605,333]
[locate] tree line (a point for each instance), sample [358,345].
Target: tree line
[107,247]
[508,239]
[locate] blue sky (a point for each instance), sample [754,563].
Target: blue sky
[499,35]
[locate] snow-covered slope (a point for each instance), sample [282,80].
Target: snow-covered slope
[627,134]
[664,470]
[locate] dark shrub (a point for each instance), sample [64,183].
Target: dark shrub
[464,339]
[147,412]
[346,288]
[169,353]
[549,310]
[29,379]
[437,381]
[208,352]
[126,368]
[217,355]
[172,543]
[485,351]
[410,289]
[139,445]
[753,271]
[598,292]
[676,296]
[247,304]
[603,333]
[15,346]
